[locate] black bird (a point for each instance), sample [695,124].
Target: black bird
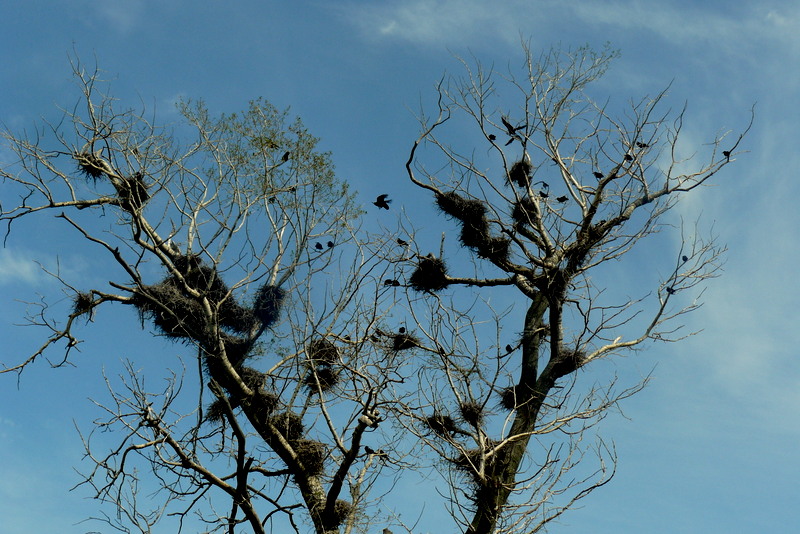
[628,157]
[641,145]
[382,202]
[318,246]
[598,175]
[285,156]
[271,200]
[330,244]
[671,291]
[562,198]
[511,130]
[368,449]
[543,194]
[395,283]
[685,258]
[492,137]
[509,349]
[402,242]
[402,330]
[389,282]
[727,154]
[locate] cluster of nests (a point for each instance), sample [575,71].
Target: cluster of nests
[132,191]
[431,272]
[179,315]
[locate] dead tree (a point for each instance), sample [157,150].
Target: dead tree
[508,418]
[212,243]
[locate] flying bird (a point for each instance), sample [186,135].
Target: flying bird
[382,202]
[509,126]
[563,198]
[598,175]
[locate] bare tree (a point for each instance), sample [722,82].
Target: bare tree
[304,399]
[240,247]
[546,187]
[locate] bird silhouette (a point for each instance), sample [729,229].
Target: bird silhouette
[562,198]
[685,258]
[543,194]
[382,202]
[402,330]
[368,449]
[727,154]
[388,282]
[509,349]
[402,242]
[492,137]
[641,145]
[628,157]
[330,244]
[285,156]
[318,246]
[671,291]
[598,175]
[509,126]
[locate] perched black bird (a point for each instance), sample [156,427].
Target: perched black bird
[628,157]
[285,156]
[543,194]
[389,282]
[641,145]
[492,137]
[671,291]
[727,154]
[330,244]
[271,200]
[368,449]
[395,283]
[685,258]
[598,175]
[402,330]
[382,202]
[402,242]
[318,246]
[563,198]
[509,349]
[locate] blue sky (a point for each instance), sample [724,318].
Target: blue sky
[708,447]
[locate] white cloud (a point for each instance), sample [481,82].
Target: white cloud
[16,266]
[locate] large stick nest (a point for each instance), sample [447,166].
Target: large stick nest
[430,275]
[520,173]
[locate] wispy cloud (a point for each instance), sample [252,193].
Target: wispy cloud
[16,266]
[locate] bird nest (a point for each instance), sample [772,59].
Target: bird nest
[440,424]
[132,192]
[404,342]
[569,360]
[311,453]
[524,212]
[430,275]
[83,303]
[289,424]
[322,378]
[322,352]
[91,165]
[472,412]
[267,304]
[520,173]
[461,208]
